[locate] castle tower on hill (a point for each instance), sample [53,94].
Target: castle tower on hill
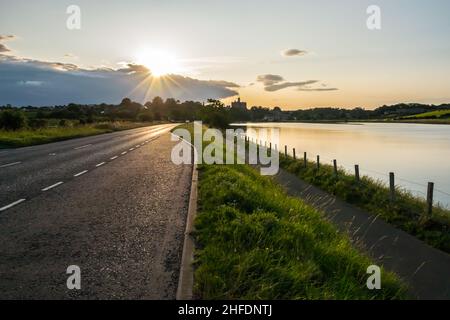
[238,104]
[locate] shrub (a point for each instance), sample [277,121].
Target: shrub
[12,120]
[38,123]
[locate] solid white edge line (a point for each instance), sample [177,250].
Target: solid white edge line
[52,186]
[12,205]
[100,164]
[80,173]
[10,164]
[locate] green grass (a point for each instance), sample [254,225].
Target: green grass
[407,212]
[432,114]
[28,137]
[255,242]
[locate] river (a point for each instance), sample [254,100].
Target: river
[416,153]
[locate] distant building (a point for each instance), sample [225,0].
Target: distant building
[238,104]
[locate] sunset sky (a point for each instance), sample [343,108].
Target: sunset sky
[288,53]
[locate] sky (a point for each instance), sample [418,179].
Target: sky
[287,53]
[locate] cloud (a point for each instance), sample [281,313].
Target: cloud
[41,83]
[222,83]
[284,85]
[273,82]
[294,52]
[318,89]
[30,83]
[70,56]
[7,37]
[4,48]
[269,79]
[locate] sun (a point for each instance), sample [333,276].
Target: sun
[159,62]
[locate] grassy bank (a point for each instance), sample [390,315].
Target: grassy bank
[255,242]
[406,212]
[28,137]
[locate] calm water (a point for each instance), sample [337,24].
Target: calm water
[416,153]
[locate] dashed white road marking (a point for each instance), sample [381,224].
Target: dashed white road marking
[82,147]
[100,164]
[113,158]
[80,173]
[12,205]
[123,153]
[53,186]
[131,149]
[10,164]
[52,154]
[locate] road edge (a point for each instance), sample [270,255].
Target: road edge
[186,277]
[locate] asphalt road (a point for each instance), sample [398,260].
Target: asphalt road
[114,205]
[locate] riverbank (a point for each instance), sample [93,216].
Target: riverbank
[255,242]
[406,212]
[29,137]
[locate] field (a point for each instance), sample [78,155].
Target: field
[431,115]
[28,137]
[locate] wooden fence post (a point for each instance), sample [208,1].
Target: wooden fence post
[305,160]
[335,168]
[318,162]
[392,186]
[357,172]
[285,151]
[293,152]
[430,199]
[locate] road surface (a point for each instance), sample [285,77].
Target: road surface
[114,205]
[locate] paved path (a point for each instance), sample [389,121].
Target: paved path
[121,222]
[426,269]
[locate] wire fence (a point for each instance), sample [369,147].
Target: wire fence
[427,191]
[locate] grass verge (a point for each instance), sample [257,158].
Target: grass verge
[255,242]
[28,137]
[406,212]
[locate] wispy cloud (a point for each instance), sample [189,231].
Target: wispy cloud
[285,85]
[4,48]
[318,89]
[7,37]
[294,52]
[70,56]
[274,82]
[269,79]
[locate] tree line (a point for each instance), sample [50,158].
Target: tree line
[214,113]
